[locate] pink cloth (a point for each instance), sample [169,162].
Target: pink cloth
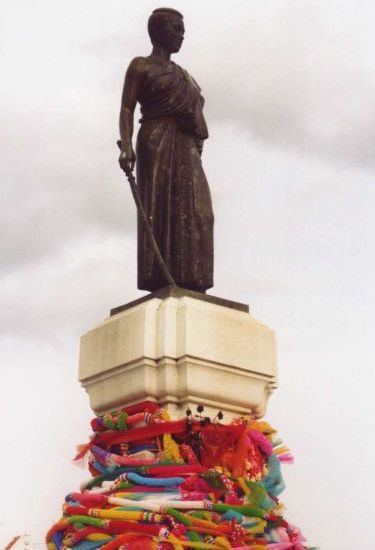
[262,441]
[290,538]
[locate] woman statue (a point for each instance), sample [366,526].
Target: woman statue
[172,185]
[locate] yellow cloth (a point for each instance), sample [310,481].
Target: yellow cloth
[98,536]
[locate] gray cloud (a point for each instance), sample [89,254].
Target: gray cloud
[61,185]
[301,76]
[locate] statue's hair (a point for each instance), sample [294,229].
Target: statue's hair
[156,19]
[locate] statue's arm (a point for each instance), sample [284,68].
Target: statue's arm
[133,82]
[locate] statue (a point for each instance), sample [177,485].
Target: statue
[171,183]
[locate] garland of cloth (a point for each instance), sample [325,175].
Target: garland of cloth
[159,484]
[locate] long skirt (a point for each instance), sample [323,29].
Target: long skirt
[177,201]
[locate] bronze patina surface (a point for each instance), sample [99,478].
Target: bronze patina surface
[171,182]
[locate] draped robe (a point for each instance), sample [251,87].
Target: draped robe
[171,181]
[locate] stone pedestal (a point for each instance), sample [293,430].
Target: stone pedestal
[180,348]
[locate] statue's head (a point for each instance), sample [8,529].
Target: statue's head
[166,29]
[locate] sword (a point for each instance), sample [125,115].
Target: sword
[150,234]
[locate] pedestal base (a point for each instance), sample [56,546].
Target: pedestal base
[180,349]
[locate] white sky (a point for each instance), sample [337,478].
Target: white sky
[290,88]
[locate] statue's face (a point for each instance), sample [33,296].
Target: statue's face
[171,33]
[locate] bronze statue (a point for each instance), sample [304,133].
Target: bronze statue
[171,182]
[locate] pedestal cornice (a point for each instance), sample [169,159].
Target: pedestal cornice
[179,349]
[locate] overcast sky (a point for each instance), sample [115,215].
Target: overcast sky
[290,104]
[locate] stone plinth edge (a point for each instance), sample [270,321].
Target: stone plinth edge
[178,292]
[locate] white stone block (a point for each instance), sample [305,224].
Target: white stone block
[180,350]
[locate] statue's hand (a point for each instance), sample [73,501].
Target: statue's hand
[199,144]
[127,159]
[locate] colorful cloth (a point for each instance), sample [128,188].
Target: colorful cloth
[160,484]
